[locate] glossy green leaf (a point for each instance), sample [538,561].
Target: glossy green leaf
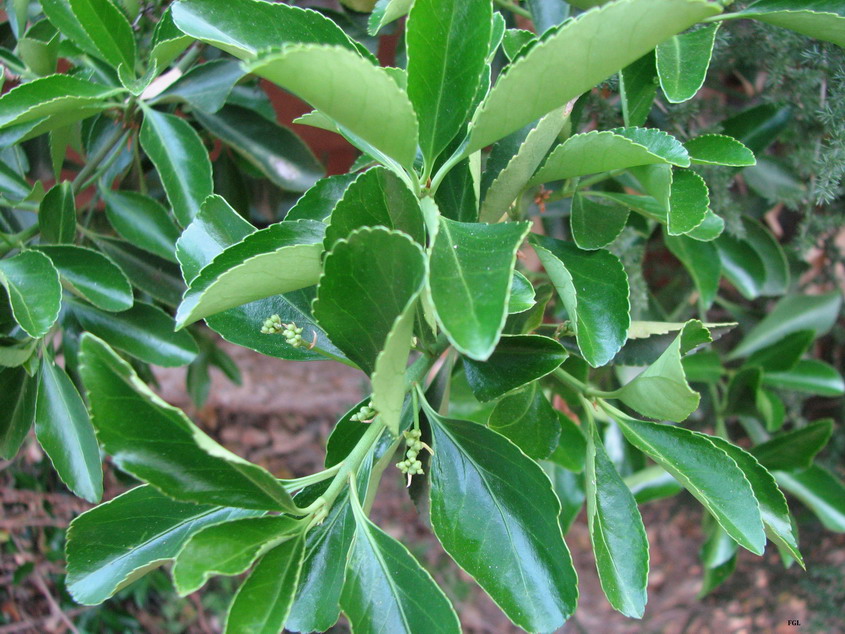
[142,221]
[771,254]
[17,406]
[13,187]
[594,289]
[283,257]
[595,225]
[275,150]
[569,488]
[582,53]
[385,12]
[245,27]
[143,442]
[790,314]
[701,261]
[346,305]
[115,543]
[15,353]
[688,202]
[376,198]
[471,268]
[682,62]
[773,508]
[820,19]
[653,483]
[514,40]
[149,273]
[522,294]
[57,214]
[446,43]
[637,89]
[705,471]
[167,41]
[91,275]
[572,448]
[64,430]
[795,449]
[821,491]
[319,201]
[783,354]
[181,162]
[387,590]
[364,99]
[528,420]
[662,391]
[510,180]
[607,150]
[710,228]
[490,504]
[808,375]
[228,549]
[742,265]
[34,290]
[617,532]
[144,331]
[108,29]
[719,149]
[205,86]
[263,602]
[62,96]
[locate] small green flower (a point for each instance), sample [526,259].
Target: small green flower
[365,415]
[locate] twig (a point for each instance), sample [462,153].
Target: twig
[36,625]
[38,580]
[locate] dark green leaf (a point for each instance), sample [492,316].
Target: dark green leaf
[701,260]
[168,41]
[91,275]
[741,265]
[180,160]
[386,589]
[705,471]
[205,86]
[593,286]
[34,290]
[514,40]
[528,420]
[572,448]
[808,375]
[142,221]
[617,532]
[582,53]
[516,361]
[569,488]
[688,202]
[263,602]
[13,187]
[765,245]
[108,29]
[157,277]
[757,127]
[144,331]
[795,449]
[376,198]
[57,214]
[719,149]
[446,43]
[637,89]
[113,544]
[17,409]
[319,201]
[471,268]
[821,19]
[494,512]
[595,225]
[158,444]
[784,354]
[283,257]
[228,549]
[682,62]
[821,491]
[386,11]
[275,150]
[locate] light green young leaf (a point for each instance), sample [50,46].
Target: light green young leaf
[35,293]
[263,602]
[385,12]
[595,225]
[168,41]
[662,391]
[719,149]
[138,430]
[446,43]
[115,543]
[682,62]
[91,275]
[617,533]
[142,221]
[181,162]
[689,202]
[361,97]
[522,294]
[593,286]
[578,56]
[491,503]
[821,19]
[229,548]
[705,471]
[607,150]
[283,257]
[64,430]
[471,268]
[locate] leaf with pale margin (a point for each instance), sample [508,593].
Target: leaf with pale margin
[528,420]
[682,62]
[34,290]
[719,149]
[821,19]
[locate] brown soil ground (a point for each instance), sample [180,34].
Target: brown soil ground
[280,418]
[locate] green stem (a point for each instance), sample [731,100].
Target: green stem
[567,379]
[17,240]
[514,8]
[377,472]
[724,16]
[300,483]
[94,162]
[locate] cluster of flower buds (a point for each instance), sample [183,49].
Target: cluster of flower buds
[411,466]
[273,326]
[364,415]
